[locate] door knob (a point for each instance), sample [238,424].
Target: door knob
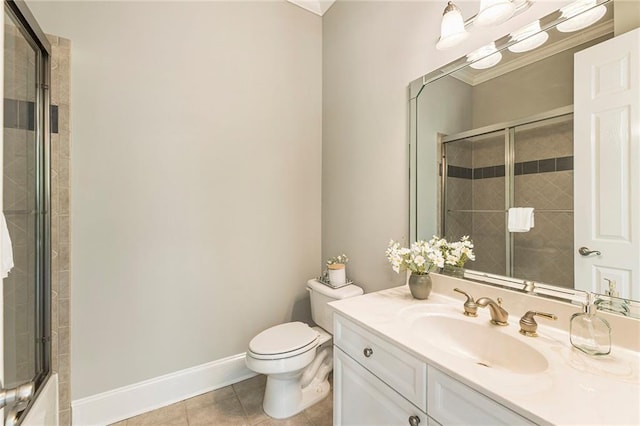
[585,251]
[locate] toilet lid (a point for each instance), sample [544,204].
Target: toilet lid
[285,339]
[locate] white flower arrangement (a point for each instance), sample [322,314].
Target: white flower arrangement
[427,256]
[423,257]
[457,253]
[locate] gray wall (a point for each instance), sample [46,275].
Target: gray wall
[627,14]
[196,164]
[545,85]
[443,107]
[371,51]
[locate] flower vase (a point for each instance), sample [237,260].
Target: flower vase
[420,286]
[337,274]
[453,271]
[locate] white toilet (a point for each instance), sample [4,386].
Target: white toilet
[297,358]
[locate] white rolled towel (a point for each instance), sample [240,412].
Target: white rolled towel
[7,249]
[520,219]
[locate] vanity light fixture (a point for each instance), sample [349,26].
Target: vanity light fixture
[580,14]
[452,29]
[528,38]
[494,12]
[485,57]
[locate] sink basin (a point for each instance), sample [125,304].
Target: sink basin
[481,343]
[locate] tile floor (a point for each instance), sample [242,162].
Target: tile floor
[238,404]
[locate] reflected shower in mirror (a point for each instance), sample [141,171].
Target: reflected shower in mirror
[527,164]
[497,136]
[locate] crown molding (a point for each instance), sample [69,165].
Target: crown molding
[318,7]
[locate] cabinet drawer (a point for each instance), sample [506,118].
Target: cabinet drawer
[360,398]
[452,403]
[399,370]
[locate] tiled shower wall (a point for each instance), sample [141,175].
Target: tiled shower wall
[459,190]
[468,190]
[489,194]
[543,180]
[545,254]
[60,225]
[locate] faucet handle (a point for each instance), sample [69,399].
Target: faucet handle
[529,326]
[470,307]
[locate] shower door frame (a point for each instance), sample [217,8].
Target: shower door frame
[509,129]
[38,40]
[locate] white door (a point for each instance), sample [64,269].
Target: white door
[607,166]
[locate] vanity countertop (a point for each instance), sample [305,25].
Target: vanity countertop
[574,388]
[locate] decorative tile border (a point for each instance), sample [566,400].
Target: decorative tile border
[21,115]
[547,165]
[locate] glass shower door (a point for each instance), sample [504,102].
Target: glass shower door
[25,290]
[544,180]
[475,195]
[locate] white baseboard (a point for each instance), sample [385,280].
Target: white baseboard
[128,401]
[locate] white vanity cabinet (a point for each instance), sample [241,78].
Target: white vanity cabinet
[376,383]
[454,403]
[360,398]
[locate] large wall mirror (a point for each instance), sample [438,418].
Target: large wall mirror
[494,131]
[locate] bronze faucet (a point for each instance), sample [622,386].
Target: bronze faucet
[470,307]
[498,315]
[529,326]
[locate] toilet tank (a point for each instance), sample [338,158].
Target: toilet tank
[321,295]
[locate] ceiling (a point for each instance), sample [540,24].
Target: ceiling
[319,7]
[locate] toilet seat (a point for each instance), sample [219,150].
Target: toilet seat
[283,341]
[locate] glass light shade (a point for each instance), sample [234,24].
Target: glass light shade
[485,57]
[528,38]
[452,29]
[581,14]
[494,12]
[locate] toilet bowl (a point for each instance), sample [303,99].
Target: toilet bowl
[297,358]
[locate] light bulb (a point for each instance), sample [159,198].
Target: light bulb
[485,57]
[580,14]
[452,29]
[494,12]
[528,38]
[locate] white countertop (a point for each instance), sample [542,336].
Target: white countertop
[575,389]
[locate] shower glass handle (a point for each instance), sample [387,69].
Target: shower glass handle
[15,395]
[585,251]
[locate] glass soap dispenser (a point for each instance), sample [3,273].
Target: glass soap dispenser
[613,303]
[589,332]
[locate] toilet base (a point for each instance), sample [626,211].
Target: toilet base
[278,406]
[288,394]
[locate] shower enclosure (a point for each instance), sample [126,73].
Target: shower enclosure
[528,163]
[26,292]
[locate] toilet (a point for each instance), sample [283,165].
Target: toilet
[298,358]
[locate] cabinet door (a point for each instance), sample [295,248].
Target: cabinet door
[452,403]
[395,367]
[360,398]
